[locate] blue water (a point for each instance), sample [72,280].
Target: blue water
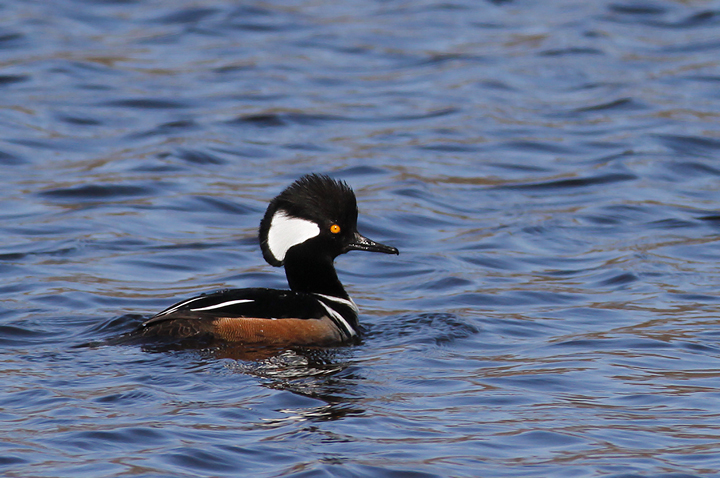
[548,169]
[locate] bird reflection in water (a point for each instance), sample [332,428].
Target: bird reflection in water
[324,374]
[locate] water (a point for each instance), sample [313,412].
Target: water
[548,170]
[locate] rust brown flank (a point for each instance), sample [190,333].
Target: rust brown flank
[252,330]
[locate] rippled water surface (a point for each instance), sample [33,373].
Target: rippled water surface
[548,169]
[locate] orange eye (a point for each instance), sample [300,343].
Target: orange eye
[335,229]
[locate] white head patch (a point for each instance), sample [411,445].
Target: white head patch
[287,231]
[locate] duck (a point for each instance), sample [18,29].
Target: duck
[305,227]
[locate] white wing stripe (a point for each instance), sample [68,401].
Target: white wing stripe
[176,307]
[223,304]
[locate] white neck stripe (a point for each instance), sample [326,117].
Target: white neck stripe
[286,231]
[348,302]
[350,332]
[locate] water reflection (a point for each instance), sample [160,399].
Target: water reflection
[325,374]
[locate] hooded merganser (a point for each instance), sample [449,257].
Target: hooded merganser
[304,228]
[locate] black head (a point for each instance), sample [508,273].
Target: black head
[315,212]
